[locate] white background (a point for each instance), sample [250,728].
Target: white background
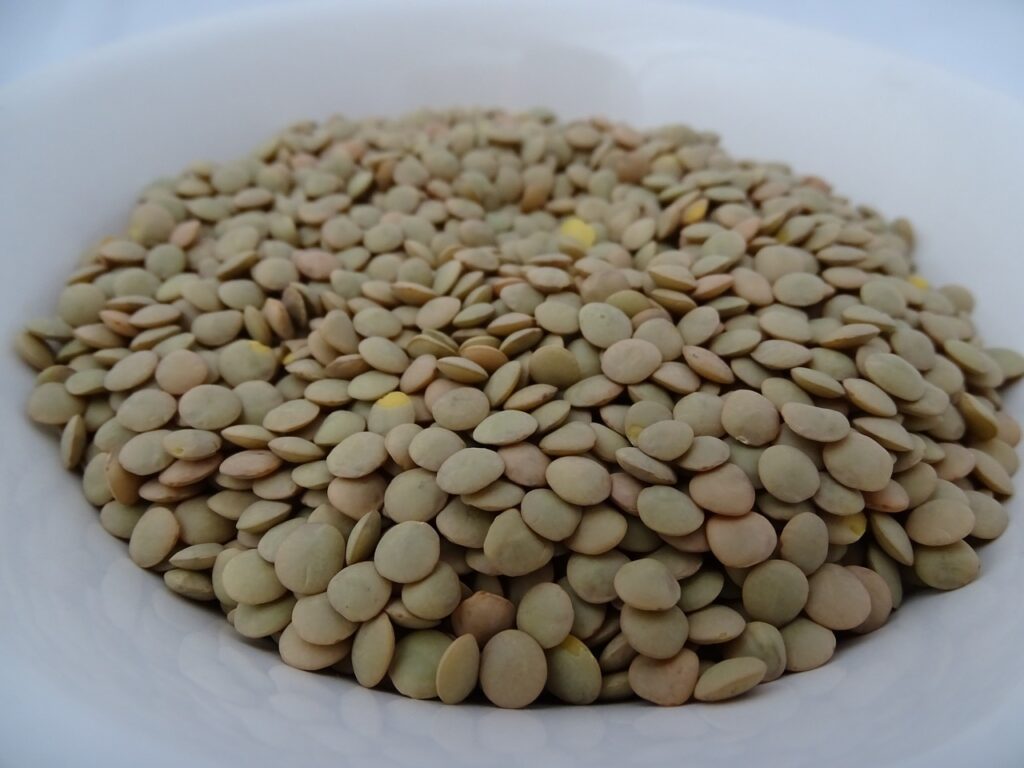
[134,677]
[979,39]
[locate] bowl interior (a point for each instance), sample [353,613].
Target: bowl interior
[133,673]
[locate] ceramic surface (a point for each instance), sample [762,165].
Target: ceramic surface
[100,665]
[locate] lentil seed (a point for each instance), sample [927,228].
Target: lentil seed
[467,352]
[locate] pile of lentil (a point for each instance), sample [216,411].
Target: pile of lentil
[476,400]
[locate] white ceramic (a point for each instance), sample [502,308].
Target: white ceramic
[100,665]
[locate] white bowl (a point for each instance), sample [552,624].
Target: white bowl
[100,665]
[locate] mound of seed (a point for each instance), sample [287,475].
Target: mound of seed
[473,404]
